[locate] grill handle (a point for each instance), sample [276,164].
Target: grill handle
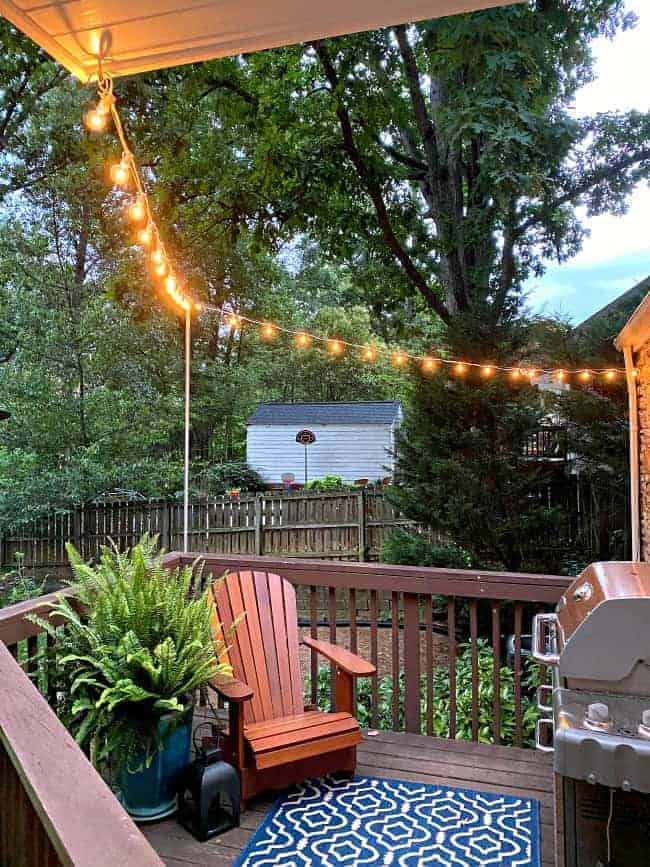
[544,635]
[540,725]
[545,698]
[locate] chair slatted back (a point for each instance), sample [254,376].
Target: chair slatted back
[263,649]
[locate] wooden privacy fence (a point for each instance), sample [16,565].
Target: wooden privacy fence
[338,526]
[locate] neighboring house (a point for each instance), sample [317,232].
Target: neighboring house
[353,440]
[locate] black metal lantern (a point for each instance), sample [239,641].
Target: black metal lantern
[209,795]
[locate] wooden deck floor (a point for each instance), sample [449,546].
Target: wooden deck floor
[400,756]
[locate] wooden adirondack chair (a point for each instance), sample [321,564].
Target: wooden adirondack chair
[273,739]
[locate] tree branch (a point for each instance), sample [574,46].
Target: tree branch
[373,189]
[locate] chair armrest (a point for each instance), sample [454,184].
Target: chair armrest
[231,689]
[348,662]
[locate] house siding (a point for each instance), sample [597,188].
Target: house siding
[350,451]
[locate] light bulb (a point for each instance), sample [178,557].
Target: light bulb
[515,374]
[429,365]
[335,347]
[145,236]
[487,370]
[399,359]
[171,284]
[95,120]
[531,374]
[585,375]
[137,210]
[460,368]
[157,256]
[610,376]
[560,375]
[121,173]
[268,331]
[234,321]
[368,353]
[302,339]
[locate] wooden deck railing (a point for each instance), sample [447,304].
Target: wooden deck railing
[56,809]
[404,601]
[55,805]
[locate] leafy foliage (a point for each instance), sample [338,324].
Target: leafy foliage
[233,475]
[461,469]
[16,585]
[441,698]
[327,483]
[409,548]
[136,644]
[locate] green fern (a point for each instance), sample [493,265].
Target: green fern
[136,644]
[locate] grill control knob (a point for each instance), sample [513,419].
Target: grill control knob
[598,712]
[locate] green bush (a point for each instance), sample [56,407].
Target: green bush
[233,475]
[17,586]
[409,548]
[530,680]
[327,483]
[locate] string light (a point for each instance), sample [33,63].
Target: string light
[269,331]
[137,210]
[303,340]
[335,348]
[145,237]
[125,172]
[121,172]
[369,353]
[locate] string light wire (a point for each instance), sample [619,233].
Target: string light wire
[139,211]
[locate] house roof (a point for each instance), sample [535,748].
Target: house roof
[381,412]
[136,37]
[617,311]
[636,330]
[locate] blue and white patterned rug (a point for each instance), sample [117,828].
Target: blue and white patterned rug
[368,822]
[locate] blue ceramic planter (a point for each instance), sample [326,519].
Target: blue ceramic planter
[150,794]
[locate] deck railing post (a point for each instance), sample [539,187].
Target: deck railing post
[412,662]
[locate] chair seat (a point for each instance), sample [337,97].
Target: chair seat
[291,738]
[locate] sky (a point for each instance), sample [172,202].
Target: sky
[617,253]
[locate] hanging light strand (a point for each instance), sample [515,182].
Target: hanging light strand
[125,174]
[338,348]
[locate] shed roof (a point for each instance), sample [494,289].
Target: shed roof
[381,412]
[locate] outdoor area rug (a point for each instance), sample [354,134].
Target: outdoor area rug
[366,821]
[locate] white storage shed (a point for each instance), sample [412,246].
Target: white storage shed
[352,440]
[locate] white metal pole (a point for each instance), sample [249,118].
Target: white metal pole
[186,475]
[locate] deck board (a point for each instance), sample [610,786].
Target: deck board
[460,764]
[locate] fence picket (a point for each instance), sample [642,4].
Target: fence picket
[336,526]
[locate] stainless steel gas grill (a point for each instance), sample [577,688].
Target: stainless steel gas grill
[597,715]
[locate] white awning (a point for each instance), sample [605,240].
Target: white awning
[139,35]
